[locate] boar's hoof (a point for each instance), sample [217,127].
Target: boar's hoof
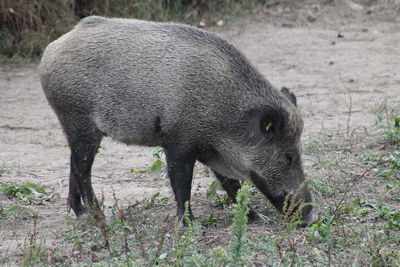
[83,218]
[253,216]
[92,218]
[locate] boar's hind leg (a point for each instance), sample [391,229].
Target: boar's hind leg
[232,186]
[84,140]
[180,171]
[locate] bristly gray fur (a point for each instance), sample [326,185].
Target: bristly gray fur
[143,83]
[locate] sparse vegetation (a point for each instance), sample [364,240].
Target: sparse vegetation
[2,171]
[388,120]
[27,193]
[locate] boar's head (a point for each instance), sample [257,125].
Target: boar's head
[268,151]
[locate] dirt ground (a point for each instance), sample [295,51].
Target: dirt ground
[336,59]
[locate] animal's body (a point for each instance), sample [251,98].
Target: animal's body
[175,86]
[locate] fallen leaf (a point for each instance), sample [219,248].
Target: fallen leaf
[137,170]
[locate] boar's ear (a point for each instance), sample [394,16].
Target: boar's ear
[289,95]
[267,120]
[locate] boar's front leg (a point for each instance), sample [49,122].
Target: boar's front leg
[180,163]
[231,187]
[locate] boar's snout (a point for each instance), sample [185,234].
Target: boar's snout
[288,202]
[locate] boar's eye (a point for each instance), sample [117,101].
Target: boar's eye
[289,157]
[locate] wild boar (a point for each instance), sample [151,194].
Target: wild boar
[181,88]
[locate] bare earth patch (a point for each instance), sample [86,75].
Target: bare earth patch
[339,64]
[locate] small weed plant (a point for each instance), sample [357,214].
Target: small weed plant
[219,199]
[27,193]
[9,211]
[388,120]
[239,228]
[3,171]
[158,163]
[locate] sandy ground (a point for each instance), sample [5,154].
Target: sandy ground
[343,61]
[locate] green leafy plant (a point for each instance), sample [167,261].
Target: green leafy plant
[9,211]
[155,200]
[27,193]
[388,167]
[210,220]
[390,214]
[213,195]
[382,257]
[158,164]
[322,230]
[390,162]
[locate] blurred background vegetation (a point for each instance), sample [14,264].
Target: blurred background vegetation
[27,26]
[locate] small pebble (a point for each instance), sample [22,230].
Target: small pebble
[311,19]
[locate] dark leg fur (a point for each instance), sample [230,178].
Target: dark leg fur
[231,187]
[74,197]
[180,171]
[84,140]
